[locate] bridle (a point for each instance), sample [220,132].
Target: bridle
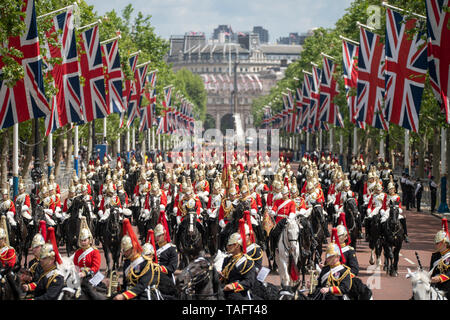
[189,289]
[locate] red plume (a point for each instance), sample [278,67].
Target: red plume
[249,223]
[128,230]
[242,231]
[445,225]
[162,219]
[43,229]
[342,221]
[335,239]
[52,239]
[151,237]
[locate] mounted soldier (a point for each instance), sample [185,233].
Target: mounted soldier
[374,206]
[23,201]
[8,208]
[393,197]
[440,260]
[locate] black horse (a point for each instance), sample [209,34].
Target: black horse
[146,222]
[232,226]
[199,281]
[189,238]
[307,244]
[351,218]
[375,238]
[22,236]
[317,223]
[110,234]
[212,230]
[71,226]
[393,237]
[10,288]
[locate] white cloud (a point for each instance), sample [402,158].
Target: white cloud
[170,17]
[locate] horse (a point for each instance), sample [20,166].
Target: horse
[110,234]
[232,226]
[317,222]
[76,288]
[71,226]
[307,243]
[148,218]
[22,236]
[375,241]
[287,252]
[189,238]
[351,217]
[10,288]
[212,230]
[199,281]
[392,240]
[421,286]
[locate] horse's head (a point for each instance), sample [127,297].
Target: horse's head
[292,230]
[393,212]
[71,277]
[194,277]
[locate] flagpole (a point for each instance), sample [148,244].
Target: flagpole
[359,24]
[50,153]
[57,11]
[133,139]
[406,156]
[75,150]
[128,145]
[15,160]
[104,130]
[99,21]
[349,40]
[355,141]
[385,4]
[112,39]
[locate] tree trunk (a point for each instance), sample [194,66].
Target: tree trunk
[58,152]
[5,157]
[420,169]
[28,150]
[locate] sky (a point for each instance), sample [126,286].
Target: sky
[279,17]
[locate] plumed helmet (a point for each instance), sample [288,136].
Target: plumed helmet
[5,191]
[285,190]
[378,187]
[47,251]
[129,239]
[147,249]
[85,232]
[346,183]
[159,230]
[2,233]
[235,238]
[50,249]
[333,250]
[51,177]
[341,230]
[443,234]
[38,240]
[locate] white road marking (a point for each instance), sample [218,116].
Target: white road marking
[409,261]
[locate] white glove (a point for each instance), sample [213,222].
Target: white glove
[178,220]
[127,212]
[48,211]
[10,216]
[57,210]
[222,223]
[236,202]
[26,215]
[175,210]
[58,215]
[272,213]
[162,207]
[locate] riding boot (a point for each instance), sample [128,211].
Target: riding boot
[405,231]
[358,223]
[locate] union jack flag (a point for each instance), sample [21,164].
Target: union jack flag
[91,65]
[140,79]
[328,91]
[306,100]
[66,103]
[315,97]
[299,109]
[26,99]
[370,87]
[406,67]
[126,92]
[350,68]
[438,17]
[148,112]
[167,101]
[113,76]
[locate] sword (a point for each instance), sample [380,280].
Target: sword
[418,260]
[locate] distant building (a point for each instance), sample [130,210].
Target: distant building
[260,66]
[263,34]
[295,38]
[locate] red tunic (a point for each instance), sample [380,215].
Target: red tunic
[283,209]
[7,256]
[91,260]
